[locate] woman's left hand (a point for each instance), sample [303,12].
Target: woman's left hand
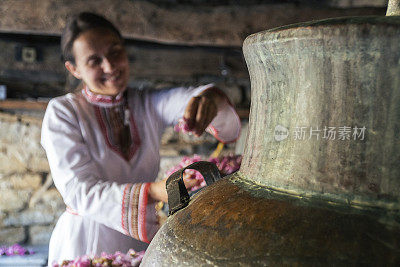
[201,110]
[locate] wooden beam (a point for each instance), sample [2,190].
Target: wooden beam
[182,24]
[41,105]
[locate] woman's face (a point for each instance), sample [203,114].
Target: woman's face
[100,61]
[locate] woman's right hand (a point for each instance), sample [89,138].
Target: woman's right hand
[158,190]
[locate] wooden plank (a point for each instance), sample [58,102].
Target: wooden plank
[23,104]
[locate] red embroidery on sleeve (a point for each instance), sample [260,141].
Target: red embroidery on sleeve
[124,210]
[142,213]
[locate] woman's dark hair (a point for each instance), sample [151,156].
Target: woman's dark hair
[76,25]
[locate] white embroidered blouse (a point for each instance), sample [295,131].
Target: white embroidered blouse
[106,193]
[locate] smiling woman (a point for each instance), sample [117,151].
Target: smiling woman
[103,143]
[93,51]
[101,63]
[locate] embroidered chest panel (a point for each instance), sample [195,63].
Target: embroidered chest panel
[123,138]
[116,122]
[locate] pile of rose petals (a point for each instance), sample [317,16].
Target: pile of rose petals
[118,259]
[13,250]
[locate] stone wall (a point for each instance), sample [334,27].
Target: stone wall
[29,203]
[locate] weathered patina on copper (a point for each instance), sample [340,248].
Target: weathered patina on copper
[336,73]
[242,224]
[393,8]
[306,201]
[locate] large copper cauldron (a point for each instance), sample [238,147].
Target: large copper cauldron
[303,196]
